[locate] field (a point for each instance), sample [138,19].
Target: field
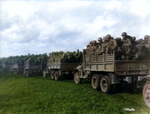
[39,95]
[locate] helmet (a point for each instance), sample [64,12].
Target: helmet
[104,38]
[91,42]
[124,34]
[146,36]
[94,42]
[99,39]
[108,36]
[133,38]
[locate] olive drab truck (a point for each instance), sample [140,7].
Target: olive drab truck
[16,68]
[35,65]
[62,64]
[146,79]
[1,65]
[106,71]
[146,90]
[6,66]
[33,69]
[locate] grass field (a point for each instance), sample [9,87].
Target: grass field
[39,95]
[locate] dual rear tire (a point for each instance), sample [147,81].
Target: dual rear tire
[44,73]
[95,81]
[102,83]
[52,75]
[55,75]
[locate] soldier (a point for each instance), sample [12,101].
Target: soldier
[147,41]
[91,44]
[126,40]
[99,46]
[111,45]
[104,44]
[88,46]
[99,40]
[126,45]
[78,56]
[139,41]
[94,47]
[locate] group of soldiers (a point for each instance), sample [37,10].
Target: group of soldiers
[68,57]
[103,45]
[127,48]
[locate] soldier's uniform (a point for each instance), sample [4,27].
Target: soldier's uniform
[126,46]
[111,45]
[147,41]
[94,47]
[104,44]
[78,56]
[99,46]
[134,53]
[88,47]
[90,50]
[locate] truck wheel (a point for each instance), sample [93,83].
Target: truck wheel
[95,81]
[105,84]
[52,75]
[44,73]
[56,75]
[77,78]
[27,74]
[146,93]
[24,73]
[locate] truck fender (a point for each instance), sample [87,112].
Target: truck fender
[79,68]
[146,78]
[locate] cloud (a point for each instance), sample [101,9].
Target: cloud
[42,27]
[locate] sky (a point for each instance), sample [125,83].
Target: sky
[37,26]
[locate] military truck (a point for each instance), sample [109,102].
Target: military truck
[35,65]
[62,64]
[146,79]
[105,72]
[6,67]
[33,69]
[1,65]
[16,68]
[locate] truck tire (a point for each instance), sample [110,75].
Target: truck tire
[27,74]
[77,78]
[56,75]
[105,85]
[44,73]
[146,93]
[95,81]
[24,73]
[52,75]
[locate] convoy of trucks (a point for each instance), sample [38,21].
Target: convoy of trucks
[104,70]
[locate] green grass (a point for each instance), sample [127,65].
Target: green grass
[39,95]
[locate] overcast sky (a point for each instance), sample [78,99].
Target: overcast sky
[38,27]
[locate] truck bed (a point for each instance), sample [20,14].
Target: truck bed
[63,66]
[104,62]
[107,63]
[29,66]
[17,66]
[132,67]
